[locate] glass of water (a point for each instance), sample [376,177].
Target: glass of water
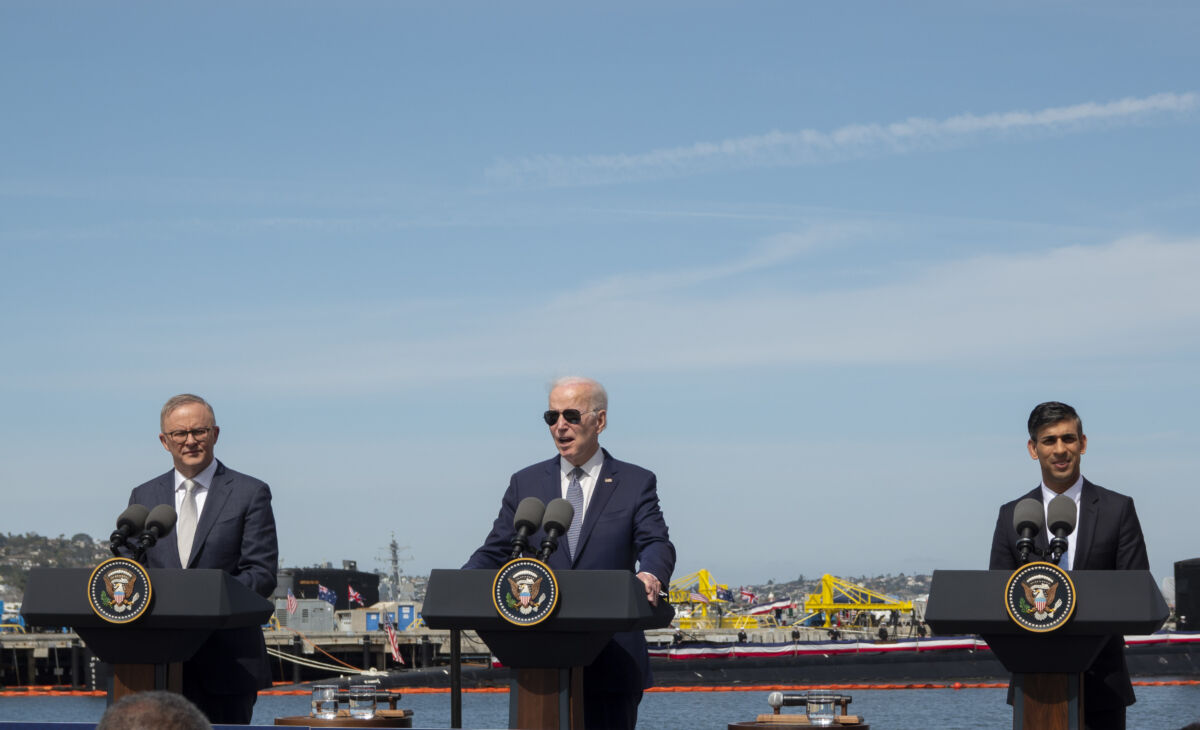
[820,707]
[324,701]
[362,701]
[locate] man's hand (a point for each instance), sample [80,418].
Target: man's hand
[653,587]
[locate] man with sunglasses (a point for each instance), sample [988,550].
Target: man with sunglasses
[225,522]
[618,525]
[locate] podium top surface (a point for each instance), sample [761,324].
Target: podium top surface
[1107,602]
[589,601]
[182,599]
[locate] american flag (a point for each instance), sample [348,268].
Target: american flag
[326,595]
[353,596]
[698,597]
[292,602]
[391,632]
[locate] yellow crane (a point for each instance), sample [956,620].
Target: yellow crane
[841,595]
[698,605]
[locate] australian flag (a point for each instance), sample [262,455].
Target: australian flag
[724,594]
[326,595]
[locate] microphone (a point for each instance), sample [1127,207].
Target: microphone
[559,514]
[1028,521]
[1061,516]
[527,519]
[131,521]
[159,524]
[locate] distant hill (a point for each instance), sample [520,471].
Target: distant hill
[21,553]
[904,587]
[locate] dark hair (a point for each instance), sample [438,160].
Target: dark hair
[153,711]
[1050,413]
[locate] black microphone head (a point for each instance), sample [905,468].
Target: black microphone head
[559,514]
[162,517]
[529,514]
[133,519]
[1028,515]
[1061,515]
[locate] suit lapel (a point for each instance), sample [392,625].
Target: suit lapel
[1085,525]
[1042,541]
[551,488]
[214,501]
[163,492]
[606,485]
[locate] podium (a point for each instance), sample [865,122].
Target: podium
[186,607]
[1047,667]
[549,657]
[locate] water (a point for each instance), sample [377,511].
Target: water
[1158,708]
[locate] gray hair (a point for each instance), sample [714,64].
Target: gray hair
[155,710]
[599,394]
[183,399]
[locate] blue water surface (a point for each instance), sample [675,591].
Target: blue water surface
[1158,708]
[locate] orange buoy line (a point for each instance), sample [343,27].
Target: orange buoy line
[50,691]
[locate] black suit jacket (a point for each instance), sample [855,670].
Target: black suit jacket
[1108,537]
[623,529]
[235,533]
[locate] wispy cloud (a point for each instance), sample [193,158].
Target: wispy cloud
[810,146]
[1105,302]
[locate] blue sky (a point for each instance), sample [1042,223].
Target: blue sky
[825,256]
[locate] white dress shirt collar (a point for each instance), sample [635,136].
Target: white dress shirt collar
[591,473]
[1075,494]
[203,480]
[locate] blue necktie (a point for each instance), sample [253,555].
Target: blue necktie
[575,497]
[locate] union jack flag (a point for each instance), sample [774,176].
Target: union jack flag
[748,596]
[292,603]
[353,596]
[326,595]
[391,632]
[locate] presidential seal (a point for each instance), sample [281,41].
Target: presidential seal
[119,590]
[525,592]
[1040,597]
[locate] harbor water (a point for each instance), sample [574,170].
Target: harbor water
[1158,708]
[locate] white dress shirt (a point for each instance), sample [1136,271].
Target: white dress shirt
[1075,493]
[591,469]
[202,480]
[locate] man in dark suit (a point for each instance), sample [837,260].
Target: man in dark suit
[1107,536]
[225,521]
[618,526]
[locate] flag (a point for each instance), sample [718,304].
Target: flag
[698,597]
[292,602]
[748,596]
[391,632]
[353,596]
[773,606]
[724,594]
[326,595]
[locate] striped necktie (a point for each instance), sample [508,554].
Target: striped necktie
[575,497]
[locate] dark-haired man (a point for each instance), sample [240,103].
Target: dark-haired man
[618,525]
[1107,536]
[156,710]
[225,522]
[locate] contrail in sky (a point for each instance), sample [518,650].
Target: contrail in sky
[810,146]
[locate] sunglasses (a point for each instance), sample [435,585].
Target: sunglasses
[571,415]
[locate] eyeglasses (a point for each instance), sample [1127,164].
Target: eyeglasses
[181,437]
[572,415]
